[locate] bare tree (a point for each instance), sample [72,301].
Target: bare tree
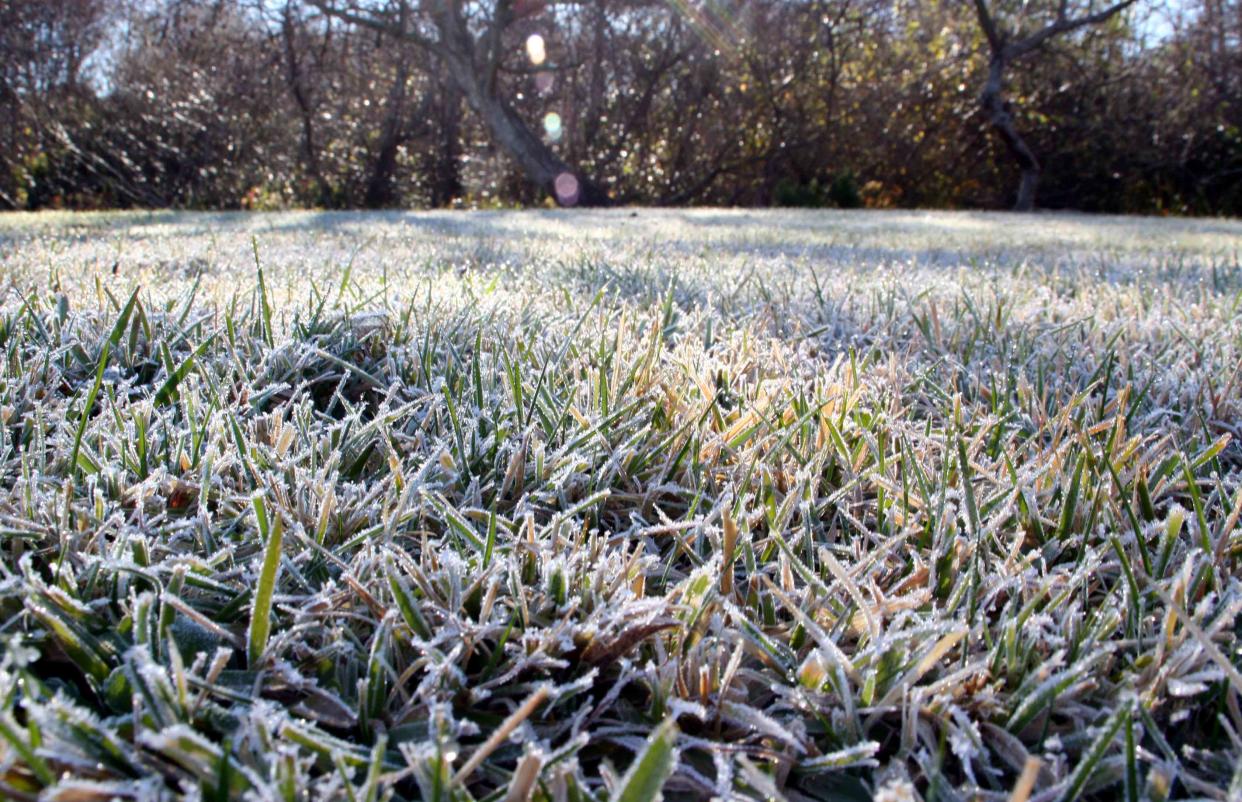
[468,41]
[44,47]
[1008,47]
[301,88]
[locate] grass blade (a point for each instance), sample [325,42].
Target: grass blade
[261,606]
[651,769]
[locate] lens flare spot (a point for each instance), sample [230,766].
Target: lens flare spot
[567,189]
[552,126]
[536,50]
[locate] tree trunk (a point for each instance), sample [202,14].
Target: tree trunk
[997,108]
[306,112]
[472,64]
[380,193]
[595,83]
[443,160]
[538,161]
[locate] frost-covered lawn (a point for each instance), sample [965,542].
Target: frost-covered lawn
[569,506]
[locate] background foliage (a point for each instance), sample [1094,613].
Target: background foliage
[268,104]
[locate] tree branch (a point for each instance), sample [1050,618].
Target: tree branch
[383,24]
[1062,24]
[501,17]
[530,69]
[995,42]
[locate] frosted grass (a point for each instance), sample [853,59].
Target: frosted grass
[557,506]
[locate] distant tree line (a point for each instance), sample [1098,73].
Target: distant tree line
[1119,107]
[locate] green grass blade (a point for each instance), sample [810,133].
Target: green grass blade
[261,605]
[645,779]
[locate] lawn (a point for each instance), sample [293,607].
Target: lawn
[565,506]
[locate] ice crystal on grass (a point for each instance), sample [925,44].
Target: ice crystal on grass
[539,506]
